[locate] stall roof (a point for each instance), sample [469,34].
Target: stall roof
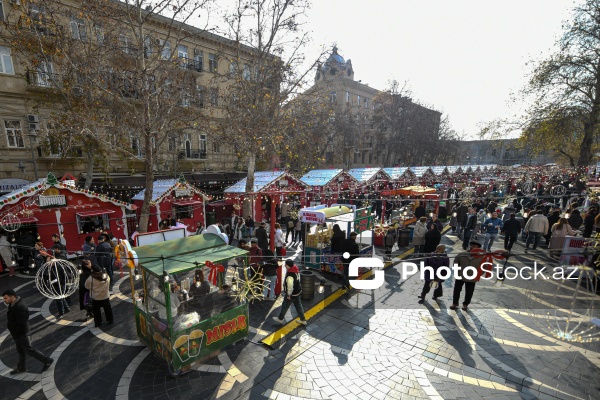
[396,172]
[160,187]
[262,179]
[365,174]
[182,254]
[453,168]
[420,171]
[320,177]
[439,170]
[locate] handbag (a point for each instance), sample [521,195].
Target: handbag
[283,252]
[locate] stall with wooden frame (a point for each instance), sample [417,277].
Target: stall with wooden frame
[182,320]
[327,186]
[174,202]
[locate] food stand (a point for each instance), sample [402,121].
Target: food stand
[320,221]
[185,323]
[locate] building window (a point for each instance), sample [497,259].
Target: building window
[493,152]
[6,65]
[14,133]
[246,74]
[347,97]
[332,97]
[147,47]
[366,102]
[94,223]
[233,66]
[182,51]
[202,146]
[358,100]
[1,11]
[214,97]
[166,50]
[78,29]
[136,147]
[212,62]
[126,44]
[216,147]
[200,96]
[199,60]
[172,142]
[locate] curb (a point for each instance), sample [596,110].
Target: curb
[279,337]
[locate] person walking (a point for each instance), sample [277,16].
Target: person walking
[249,225]
[419,236]
[435,221]
[5,251]
[469,225]
[473,257]
[461,212]
[589,222]
[86,272]
[297,230]
[17,322]
[432,239]
[491,226]
[511,230]
[536,227]
[269,269]
[438,259]
[560,231]
[279,242]
[291,292]
[575,219]
[98,284]
[262,237]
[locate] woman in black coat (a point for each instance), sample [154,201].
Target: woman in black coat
[589,222]
[86,271]
[432,239]
[337,239]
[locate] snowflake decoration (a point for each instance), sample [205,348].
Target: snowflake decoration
[380,230]
[250,288]
[237,207]
[293,213]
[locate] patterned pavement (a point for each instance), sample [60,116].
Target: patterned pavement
[376,344]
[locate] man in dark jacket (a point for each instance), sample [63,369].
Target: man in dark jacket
[420,211]
[351,247]
[59,249]
[262,237]
[291,293]
[437,260]
[511,230]
[104,257]
[469,224]
[18,325]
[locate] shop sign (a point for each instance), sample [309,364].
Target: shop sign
[9,184]
[196,342]
[312,217]
[363,212]
[182,192]
[363,224]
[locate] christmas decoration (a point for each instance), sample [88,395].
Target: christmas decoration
[57,279]
[10,222]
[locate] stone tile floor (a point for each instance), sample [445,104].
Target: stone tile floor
[376,344]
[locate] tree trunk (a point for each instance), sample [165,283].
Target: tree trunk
[89,169]
[585,152]
[251,169]
[148,164]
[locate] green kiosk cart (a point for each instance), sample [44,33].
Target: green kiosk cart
[183,319]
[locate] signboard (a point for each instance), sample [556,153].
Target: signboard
[312,217]
[572,252]
[182,192]
[9,184]
[363,224]
[197,342]
[363,212]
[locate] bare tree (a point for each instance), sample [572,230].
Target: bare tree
[118,85]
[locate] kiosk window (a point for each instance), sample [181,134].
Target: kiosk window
[183,212]
[93,223]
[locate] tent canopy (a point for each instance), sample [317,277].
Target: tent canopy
[415,190]
[320,177]
[181,254]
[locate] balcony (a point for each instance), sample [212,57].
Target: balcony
[189,64]
[43,80]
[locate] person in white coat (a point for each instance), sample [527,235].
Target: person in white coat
[279,242]
[419,235]
[5,251]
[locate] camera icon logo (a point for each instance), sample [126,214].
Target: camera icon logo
[370,263]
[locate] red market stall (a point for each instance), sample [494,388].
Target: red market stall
[328,185]
[174,203]
[426,195]
[400,176]
[370,179]
[47,206]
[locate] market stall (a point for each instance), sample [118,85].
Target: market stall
[400,176]
[370,179]
[48,207]
[327,186]
[182,320]
[422,194]
[174,203]
[320,220]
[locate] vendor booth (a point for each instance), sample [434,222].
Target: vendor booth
[327,186]
[174,203]
[185,321]
[318,253]
[370,179]
[423,174]
[48,207]
[271,188]
[400,176]
[422,194]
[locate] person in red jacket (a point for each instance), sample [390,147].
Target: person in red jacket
[291,293]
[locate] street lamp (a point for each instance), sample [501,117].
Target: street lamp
[32,135]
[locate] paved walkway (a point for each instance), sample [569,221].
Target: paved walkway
[372,344]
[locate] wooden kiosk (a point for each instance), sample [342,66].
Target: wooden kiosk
[183,322]
[320,220]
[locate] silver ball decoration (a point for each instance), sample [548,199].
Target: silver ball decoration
[57,279]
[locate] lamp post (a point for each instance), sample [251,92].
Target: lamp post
[32,135]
